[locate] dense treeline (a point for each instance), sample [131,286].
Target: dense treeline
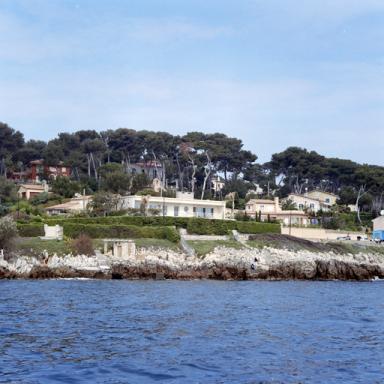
[102,160]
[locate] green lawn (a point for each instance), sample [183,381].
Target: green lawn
[35,246]
[144,243]
[156,243]
[204,247]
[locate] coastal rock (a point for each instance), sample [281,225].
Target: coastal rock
[221,264]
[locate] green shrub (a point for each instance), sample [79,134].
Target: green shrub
[120,231]
[82,245]
[253,228]
[8,232]
[197,226]
[31,230]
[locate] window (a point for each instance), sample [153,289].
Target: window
[186,209]
[200,212]
[176,211]
[301,206]
[327,200]
[312,206]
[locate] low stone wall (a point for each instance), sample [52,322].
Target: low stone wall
[319,233]
[204,237]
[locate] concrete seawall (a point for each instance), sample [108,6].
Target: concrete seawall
[317,234]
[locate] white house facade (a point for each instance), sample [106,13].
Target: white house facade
[183,205]
[378,223]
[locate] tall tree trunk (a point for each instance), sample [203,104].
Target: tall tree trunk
[181,186]
[94,166]
[89,164]
[207,171]
[360,194]
[192,161]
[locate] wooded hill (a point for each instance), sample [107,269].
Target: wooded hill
[98,159]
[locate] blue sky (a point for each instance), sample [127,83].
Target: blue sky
[274,73]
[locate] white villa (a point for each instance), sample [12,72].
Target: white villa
[77,204]
[183,205]
[271,209]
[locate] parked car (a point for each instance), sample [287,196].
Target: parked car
[344,238]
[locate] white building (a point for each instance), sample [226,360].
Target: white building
[75,205]
[217,183]
[183,205]
[152,168]
[378,223]
[270,209]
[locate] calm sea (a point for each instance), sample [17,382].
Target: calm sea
[70,331]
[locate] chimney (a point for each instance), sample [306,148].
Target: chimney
[45,185]
[277,205]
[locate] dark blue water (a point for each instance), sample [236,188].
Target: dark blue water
[191,332]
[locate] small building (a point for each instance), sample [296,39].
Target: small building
[256,191]
[120,248]
[27,191]
[314,201]
[54,232]
[378,223]
[304,202]
[271,209]
[352,207]
[156,185]
[326,198]
[152,168]
[76,205]
[183,205]
[39,170]
[217,184]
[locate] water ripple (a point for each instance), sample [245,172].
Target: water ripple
[191,332]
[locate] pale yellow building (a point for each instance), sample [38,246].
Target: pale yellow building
[27,191]
[75,205]
[271,209]
[313,201]
[304,202]
[326,198]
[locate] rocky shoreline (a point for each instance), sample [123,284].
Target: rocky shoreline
[221,264]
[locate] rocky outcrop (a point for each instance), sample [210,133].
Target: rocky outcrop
[222,264]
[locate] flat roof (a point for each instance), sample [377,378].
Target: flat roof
[159,199]
[261,201]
